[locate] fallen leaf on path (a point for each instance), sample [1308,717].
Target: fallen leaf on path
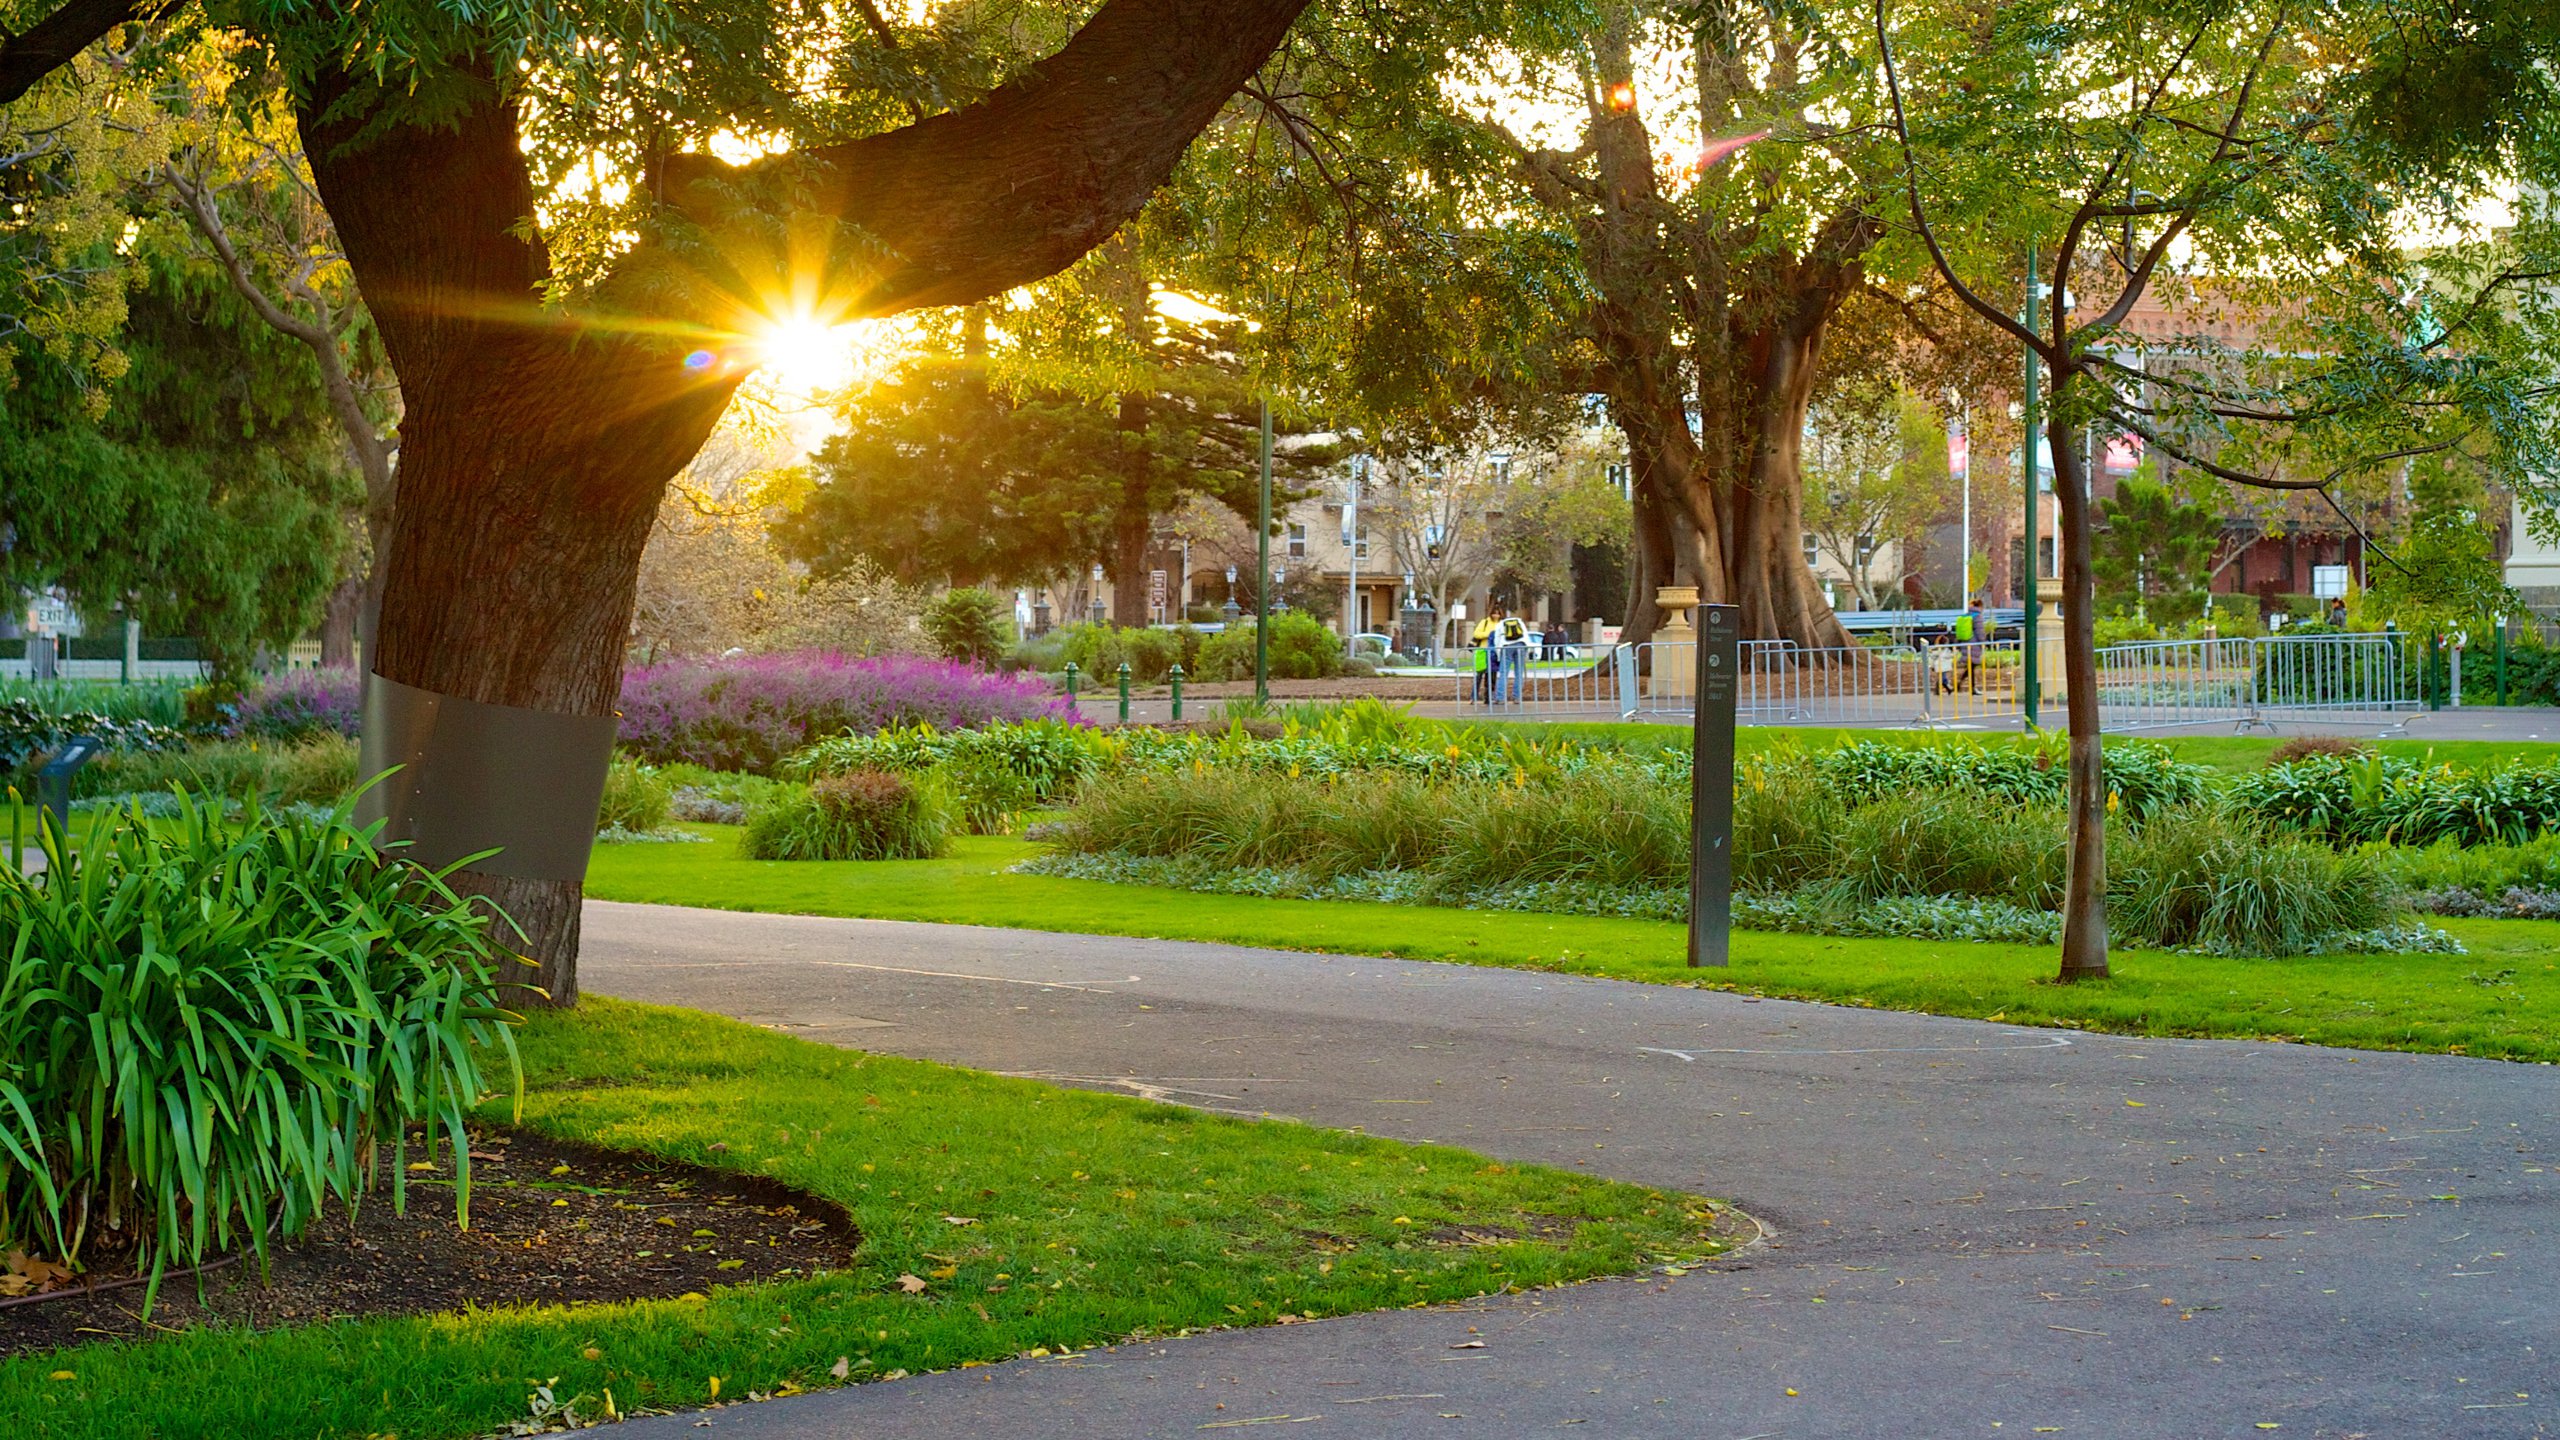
[912,1284]
[842,1367]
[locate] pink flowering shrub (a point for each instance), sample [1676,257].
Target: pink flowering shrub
[300,703]
[748,712]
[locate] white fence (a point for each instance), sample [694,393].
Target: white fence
[2242,682]
[188,670]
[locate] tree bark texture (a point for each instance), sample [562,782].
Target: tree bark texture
[2084,908]
[1133,520]
[535,449]
[338,624]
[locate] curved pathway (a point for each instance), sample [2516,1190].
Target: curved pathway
[1976,1229]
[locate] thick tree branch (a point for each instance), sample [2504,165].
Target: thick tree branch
[973,202]
[53,41]
[364,439]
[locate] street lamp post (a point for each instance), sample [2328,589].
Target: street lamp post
[2033,606]
[1351,547]
[1262,573]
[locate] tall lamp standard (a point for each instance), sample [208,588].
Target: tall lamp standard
[1262,582]
[2032,606]
[1351,547]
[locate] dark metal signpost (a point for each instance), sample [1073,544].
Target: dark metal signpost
[1711,788]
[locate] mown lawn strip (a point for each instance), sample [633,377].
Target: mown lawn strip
[998,1216]
[2502,1000]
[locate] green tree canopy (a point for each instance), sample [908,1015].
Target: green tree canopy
[205,501]
[2153,542]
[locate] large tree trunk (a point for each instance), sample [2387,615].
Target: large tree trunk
[338,624]
[1650,564]
[533,458]
[1131,528]
[1133,523]
[536,443]
[1722,456]
[2084,905]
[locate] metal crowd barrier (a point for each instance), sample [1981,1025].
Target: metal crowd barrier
[2368,674]
[1540,681]
[2157,684]
[2246,682]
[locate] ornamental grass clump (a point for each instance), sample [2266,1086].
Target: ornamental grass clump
[1943,843]
[637,799]
[2207,877]
[748,712]
[864,815]
[1600,828]
[207,1025]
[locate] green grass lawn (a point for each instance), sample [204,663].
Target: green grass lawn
[2229,753]
[2502,1000]
[1090,1218]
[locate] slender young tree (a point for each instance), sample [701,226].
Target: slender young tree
[2231,160]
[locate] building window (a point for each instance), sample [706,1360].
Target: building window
[1622,479]
[1812,548]
[1360,543]
[1501,469]
[1297,542]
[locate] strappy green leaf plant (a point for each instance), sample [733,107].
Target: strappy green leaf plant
[211,1026]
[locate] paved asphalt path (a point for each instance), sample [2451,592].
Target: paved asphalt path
[1975,1229]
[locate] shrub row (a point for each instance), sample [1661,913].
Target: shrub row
[748,713]
[2346,799]
[2191,875]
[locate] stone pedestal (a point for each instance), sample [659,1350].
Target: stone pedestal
[2048,643]
[1675,672]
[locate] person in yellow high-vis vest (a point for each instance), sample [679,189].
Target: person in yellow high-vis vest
[1480,655]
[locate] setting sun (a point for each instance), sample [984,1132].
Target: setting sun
[805,357]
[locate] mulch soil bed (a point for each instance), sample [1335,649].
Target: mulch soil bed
[551,1223]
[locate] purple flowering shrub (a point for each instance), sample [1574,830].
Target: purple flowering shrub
[748,712]
[299,703]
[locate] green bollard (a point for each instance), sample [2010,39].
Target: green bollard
[1071,679]
[1175,676]
[2502,660]
[2435,692]
[1124,692]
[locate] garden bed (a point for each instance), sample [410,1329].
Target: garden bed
[552,1222]
[998,1218]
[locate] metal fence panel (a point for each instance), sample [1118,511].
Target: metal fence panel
[2366,673]
[2164,683]
[2244,682]
[1545,682]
